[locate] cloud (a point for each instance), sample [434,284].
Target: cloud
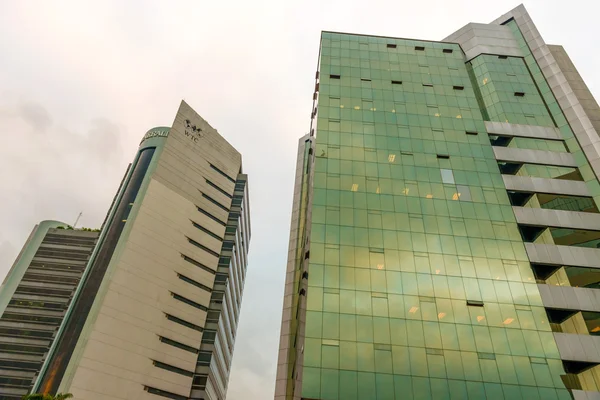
[36,115]
[81,82]
[67,170]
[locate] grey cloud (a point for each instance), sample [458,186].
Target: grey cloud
[36,115]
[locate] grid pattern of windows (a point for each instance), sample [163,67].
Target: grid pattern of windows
[508,92]
[419,285]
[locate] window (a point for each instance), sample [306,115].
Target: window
[443,156]
[203,229]
[463,193]
[201,246]
[332,76]
[475,303]
[209,336]
[217,188]
[471,133]
[184,322]
[198,264]
[209,215]
[216,203]
[189,302]
[193,282]
[503,57]
[396,82]
[448,51]
[222,173]
[171,368]
[175,343]
[519,94]
[204,358]
[447,176]
[164,393]
[365,79]
[458,87]
[419,48]
[391,46]
[427,85]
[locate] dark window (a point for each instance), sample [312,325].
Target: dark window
[332,76]
[193,282]
[184,322]
[216,203]
[164,393]
[213,316]
[447,51]
[396,82]
[503,57]
[391,46]
[175,343]
[189,302]
[519,94]
[365,79]
[209,336]
[471,133]
[222,173]
[458,87]
[443,156]
[427,85]
[201,246]
[419,48]
[198,264]
[209,215]
[214,186]
[200,381]
[203,229]
[475,303]
[204,358]
[171,368]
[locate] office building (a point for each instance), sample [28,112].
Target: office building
[34,298]
[445,227]
[157,312]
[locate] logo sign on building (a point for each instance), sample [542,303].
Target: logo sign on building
[156,132]
[192,131]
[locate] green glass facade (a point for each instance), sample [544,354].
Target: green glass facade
[411,223]
[415,272]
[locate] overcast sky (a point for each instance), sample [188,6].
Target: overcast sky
[82,81]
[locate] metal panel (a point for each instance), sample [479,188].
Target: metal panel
[528,131]
[476,39]
[557,218]
[574,347]
[529,156]
[544,185]
[569,298]
[563,255]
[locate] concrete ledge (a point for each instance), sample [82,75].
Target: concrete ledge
[557,218]
[527,156]
[552,254]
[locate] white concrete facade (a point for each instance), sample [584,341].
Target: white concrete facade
[165,266]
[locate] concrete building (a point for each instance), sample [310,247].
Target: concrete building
[158,311]
[445,226]
[34,298]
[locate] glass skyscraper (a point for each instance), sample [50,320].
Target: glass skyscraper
[445,227]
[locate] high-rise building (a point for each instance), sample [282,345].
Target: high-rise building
[445,227]
[157,311]
[34,297]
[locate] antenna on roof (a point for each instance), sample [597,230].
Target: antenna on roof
[77,220]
